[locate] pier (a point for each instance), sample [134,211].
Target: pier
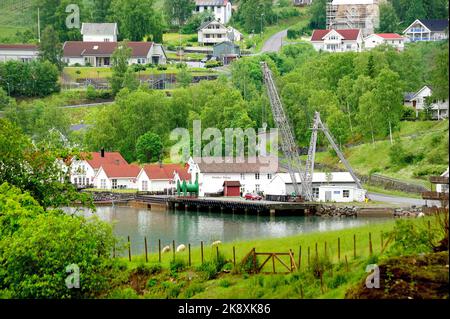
[228,205]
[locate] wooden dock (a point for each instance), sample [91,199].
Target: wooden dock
[229,205]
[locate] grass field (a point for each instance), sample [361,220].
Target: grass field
[429,139]
[342,272]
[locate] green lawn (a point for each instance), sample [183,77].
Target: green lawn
[429,138]
[341,274]
[186,56]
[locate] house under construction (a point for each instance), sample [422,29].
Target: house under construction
[353,14]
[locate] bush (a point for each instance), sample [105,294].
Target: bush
[428,170]
[213,64]
[104,94]
[408,114]
[171,47]
[177,265]
[78,72]
[224,283]
[77,64]
[409,239]
[151,282]
[91,93]
[193,289]
[181,65]
[399,156]
[162,67]
[126,293]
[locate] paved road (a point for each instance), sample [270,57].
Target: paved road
[275,42]
[400,200]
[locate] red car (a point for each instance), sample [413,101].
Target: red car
[252,197]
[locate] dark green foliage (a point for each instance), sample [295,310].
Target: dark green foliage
[91,93]
[35,78]
[389,21]
[317,11]
[409,238]
[50,49]
[179,11]
[254,15]
[177,265]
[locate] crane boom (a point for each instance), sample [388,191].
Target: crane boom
[288,145]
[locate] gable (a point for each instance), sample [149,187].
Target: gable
[415,23]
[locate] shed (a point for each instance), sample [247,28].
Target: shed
[226,52]
[231,188]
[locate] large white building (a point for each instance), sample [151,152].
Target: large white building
[353,14]
[214,32]
[221,8]
[439,109]
[327,187]
[99,32]
[18,52]
[349,40]
[427,30]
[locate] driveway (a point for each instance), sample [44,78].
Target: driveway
[401,200]
[275,42]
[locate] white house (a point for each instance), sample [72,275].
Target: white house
[18,52]
[338,40]
[122,176]
[99,32]
[253,177]
[439,108]
[327,187]
[84,169]
[443,188]
[221,8]
[213,32]
[161,177]
[392,39]
[234,35]
[99,54]
[427,30]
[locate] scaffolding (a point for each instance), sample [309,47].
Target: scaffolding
[354,14]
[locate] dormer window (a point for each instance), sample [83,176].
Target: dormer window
[95,47]
[106,40]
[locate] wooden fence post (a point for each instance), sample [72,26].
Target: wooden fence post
[309,257]
[114,249]
[189,250]
[382,240]
[299,257]
[234,256]
[217,253]
[159,249]
[201,249]
[346,263]
[339,249]
[254,259]
[354,246]
[129,249]
[370,244]
[273,263]
[146,254]
[317,253]
[173,249]
[325,248]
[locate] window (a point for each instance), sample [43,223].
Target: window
[75,181]
[257,176]
[106,40]
[242,176]
[269,176]
[114,183]
[346,193]
[257,188]
[242,190]
[103,183]
[315,192]
[145,186]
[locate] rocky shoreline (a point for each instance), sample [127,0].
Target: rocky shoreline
[353,211]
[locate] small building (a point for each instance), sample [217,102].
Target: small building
[18,52]
[222,9]
[443,188]
[122,176]
[212,32]
[327,187]
[226,52]
[438,108]
[393,39]
[84,169]
[234,35]
[161,177]
[99,32]
[349,40]
[427,30]
[301,3]
[98,54]
[407,98]
[231,189]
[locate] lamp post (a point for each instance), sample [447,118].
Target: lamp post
[262,17]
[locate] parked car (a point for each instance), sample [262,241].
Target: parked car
[252,197]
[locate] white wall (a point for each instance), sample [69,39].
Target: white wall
[100,38]
[129,183]
[373,41]
[6,55]
[82,170]
[213,182]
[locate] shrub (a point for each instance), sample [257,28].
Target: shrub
[151,282]
[193,289]
[177,265]
[126,293]
[337,280]
[171,47]
[213,64]
[91,93]
[172,289]
[428,170]
[77,64]
[408,114]
[78,72]
[320,265]
[409,239]
[399,156]
[224,283]
[162,67]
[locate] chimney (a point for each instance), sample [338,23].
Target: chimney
[102,152]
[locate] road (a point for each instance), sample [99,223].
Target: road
[275,42]
[400,200]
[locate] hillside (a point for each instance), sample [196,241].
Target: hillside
[421,149]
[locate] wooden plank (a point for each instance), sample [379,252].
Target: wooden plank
[263,264]
[438,179]
[282,262]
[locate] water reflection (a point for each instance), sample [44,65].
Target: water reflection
[193,227]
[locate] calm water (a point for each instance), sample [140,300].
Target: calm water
[191,227]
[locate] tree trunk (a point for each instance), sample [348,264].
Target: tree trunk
[390,132]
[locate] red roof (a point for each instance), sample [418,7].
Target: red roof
[31,47]
[231,184]
[389,35]
[121,171]
[348,34]
[111,158]
[165,171]
[79,48]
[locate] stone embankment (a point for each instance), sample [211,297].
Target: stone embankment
[352,211]
[333,211]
